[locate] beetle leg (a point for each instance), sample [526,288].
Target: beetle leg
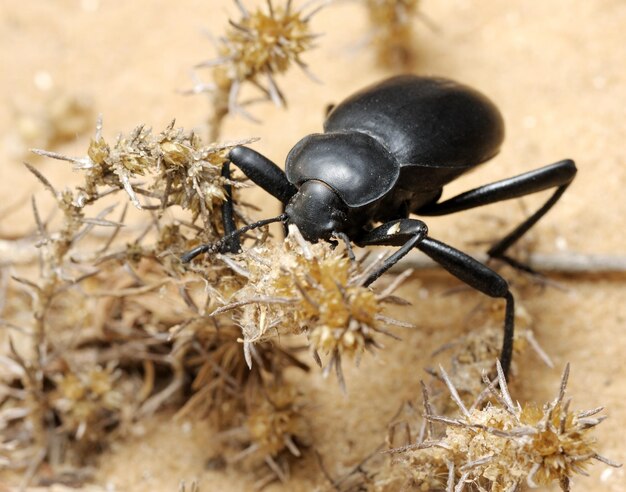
[559,175]
[228,213]
[480,277]
[411,233]
[401,232]
[263,172]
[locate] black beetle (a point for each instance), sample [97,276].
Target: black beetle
[386,152]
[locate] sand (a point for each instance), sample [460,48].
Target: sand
[556,70]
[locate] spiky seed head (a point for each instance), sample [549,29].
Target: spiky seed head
[262,43]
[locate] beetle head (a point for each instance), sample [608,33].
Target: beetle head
[317,211]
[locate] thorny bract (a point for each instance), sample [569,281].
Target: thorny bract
[500,445]
[298,287]
[100,347]
[181,169]
[256,48]
[273,431]
[474,354]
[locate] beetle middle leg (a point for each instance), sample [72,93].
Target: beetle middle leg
[412,233]
[482,278]
[559,175]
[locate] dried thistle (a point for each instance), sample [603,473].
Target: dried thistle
[223,384]
[474,353]
[57,119]
[273,429]
[299,287]
[256,48]
[392,32]
[91,308]
[87,402]
[182,171]
[502,445]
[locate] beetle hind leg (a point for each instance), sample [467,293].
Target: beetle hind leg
[498,249]
[558,175]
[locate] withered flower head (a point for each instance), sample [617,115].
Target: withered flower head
[274,430]
[276,421]
[180,169]
[256,47]
[299,287]
[392,31]
[503,444]
[87,402]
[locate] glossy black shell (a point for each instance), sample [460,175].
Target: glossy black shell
[408,132]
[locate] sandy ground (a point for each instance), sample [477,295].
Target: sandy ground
[556,70]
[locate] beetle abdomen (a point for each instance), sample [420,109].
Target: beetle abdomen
[424,121]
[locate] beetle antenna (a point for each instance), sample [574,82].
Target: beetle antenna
[213,247]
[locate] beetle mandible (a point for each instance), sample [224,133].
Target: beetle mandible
[386,152]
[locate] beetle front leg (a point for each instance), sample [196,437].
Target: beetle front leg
[262,172]
[411,233]
[228,212]
[406,233]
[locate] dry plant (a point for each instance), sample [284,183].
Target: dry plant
[54,118]
[183,172]
[475,353]
[99,346]
[392,32]
[469,358]
[272,434]
[256,48]
[193,487]
[102,348]
[223,386]
[498,444]
[316,289]
[258,410]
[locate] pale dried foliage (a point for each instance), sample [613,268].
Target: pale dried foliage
[392,32]
[273,431]
[257,47]
[474,354]
[297,287]
[53,117]
[499,445]
[118,326]
[180,170]
[86,399]
[223,386]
